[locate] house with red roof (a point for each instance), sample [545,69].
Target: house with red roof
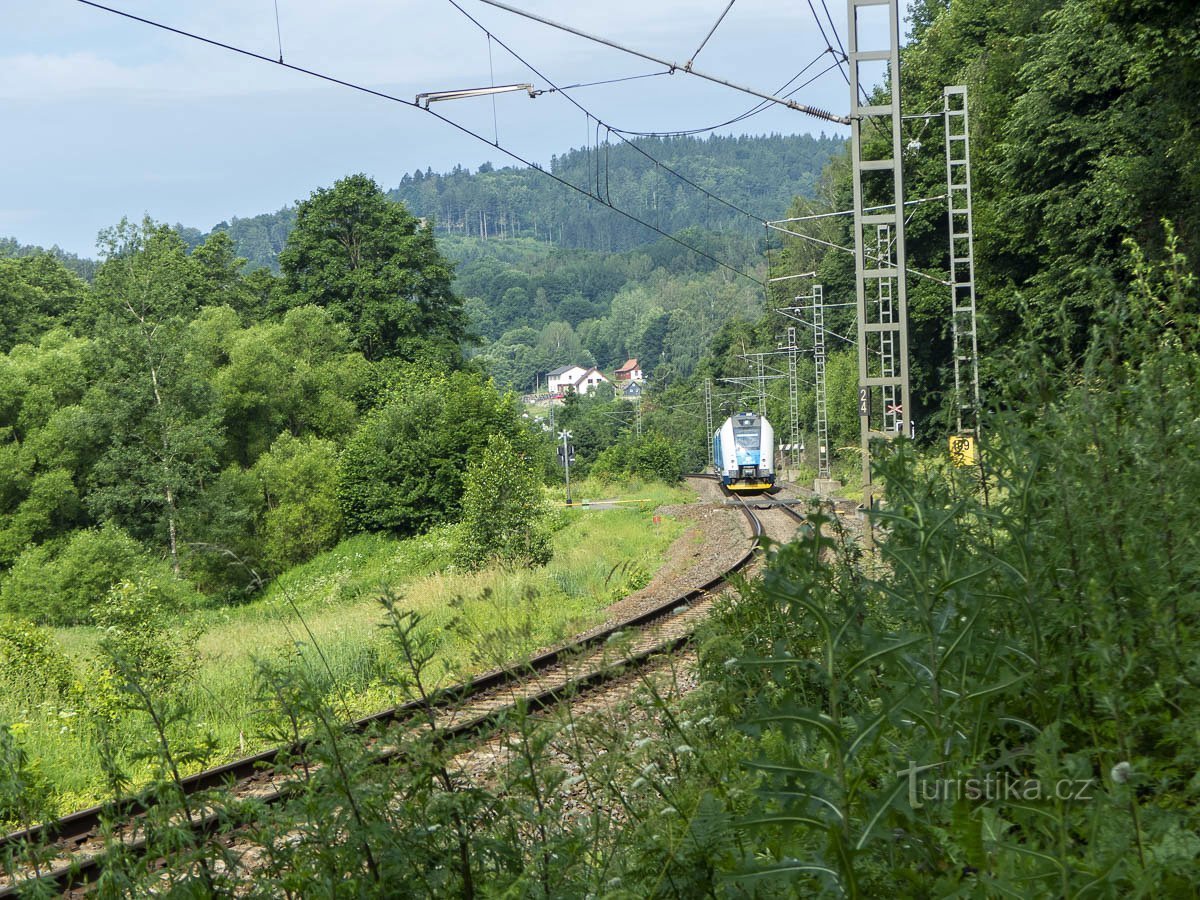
[629,372]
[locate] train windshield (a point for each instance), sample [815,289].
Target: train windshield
[746,439]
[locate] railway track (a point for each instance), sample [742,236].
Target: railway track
[459,712]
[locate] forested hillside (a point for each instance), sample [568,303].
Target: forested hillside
[759,174]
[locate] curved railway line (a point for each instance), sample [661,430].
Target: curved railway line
[462,711]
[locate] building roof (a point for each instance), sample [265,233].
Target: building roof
[630,365]
[562,370]
[579,380]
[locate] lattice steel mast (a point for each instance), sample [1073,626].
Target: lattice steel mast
[962,257]
[818,320]
[878,181]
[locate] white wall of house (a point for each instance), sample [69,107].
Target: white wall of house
[556,384]
[589,380]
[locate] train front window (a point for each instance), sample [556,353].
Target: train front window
[746,439]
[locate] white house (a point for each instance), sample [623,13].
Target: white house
[581,378]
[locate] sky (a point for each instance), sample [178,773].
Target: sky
[105,117]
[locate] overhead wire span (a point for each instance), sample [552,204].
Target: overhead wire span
[673,66]
[587,84]
[870,256]
[414,105]
[278,31]
[848,212]
[542,75]
[711,31]
[748,114]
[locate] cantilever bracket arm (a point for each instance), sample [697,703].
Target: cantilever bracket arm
[423,100]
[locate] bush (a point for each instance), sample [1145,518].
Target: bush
[504,511]
[63,588]
[651,457]
[31,664]
[138,639]
[402,471]
[303,517]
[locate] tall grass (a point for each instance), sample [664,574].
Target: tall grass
[326,615]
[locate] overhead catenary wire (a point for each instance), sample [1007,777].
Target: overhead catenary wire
[870,256]
[383,95]
[850,212]
[278,31]
[673,66]
[587,84]
[711,32]
[658,163]
[755,110]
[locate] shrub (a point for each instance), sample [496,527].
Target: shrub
[31,664]
[138,639]
[303,517]
[504,510]
[63,588]
[652,457]
[402,471]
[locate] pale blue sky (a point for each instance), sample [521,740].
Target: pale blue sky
[105,117]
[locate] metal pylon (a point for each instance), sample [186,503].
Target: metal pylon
[793,398]
[708,420]
[887,339]
[762,386]
[962,257]
[878,182]
[818,320]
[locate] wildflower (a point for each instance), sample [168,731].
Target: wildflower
[1121,772]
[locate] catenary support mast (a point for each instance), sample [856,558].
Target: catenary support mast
[878,181]
[962,258]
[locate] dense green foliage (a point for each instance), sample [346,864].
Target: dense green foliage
[760,174]
[651,456]
[178,409]
[504,510]
[403,468]
[1038,631]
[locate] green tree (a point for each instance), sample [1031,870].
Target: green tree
[504,510]
[403,469]
[300,480]
[36,293]
[377,269]
[164,427]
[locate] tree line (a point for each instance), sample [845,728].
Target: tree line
[182,422]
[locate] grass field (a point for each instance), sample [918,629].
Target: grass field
[325,616]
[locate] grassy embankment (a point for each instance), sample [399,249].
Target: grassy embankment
[331,603]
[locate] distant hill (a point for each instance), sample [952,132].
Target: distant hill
[81,266]
[759,174]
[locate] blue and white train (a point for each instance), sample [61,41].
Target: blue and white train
[744,453]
